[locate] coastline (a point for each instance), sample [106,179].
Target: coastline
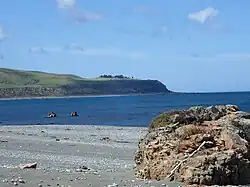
[83,96]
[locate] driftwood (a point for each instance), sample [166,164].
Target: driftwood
[181,162]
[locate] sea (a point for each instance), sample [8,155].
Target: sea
[129,110]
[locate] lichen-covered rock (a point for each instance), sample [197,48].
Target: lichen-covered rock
[201,146]
[193,115]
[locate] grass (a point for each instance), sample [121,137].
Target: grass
[19,78]
[161,121]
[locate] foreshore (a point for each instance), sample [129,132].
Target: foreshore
[82,96]
[104,152]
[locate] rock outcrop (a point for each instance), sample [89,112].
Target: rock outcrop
[198,146]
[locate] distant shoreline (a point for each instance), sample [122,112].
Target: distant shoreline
[82,96]
[115,95]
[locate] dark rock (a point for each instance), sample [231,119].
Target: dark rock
[84,167]
[105,139]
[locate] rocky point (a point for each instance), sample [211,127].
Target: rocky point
[198,146]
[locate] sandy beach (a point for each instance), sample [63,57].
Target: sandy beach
[70,156]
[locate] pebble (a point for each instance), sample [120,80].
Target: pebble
[15,184]
[4,180]
[21,181]
[113,185]
[79,170]
[40,185]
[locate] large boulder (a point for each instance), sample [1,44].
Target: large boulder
[203,146]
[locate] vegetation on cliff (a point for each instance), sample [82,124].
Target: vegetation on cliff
[17,83]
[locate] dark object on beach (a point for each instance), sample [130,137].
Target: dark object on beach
[82,169]
[74,114]
[29,166]
[51,115]
[105,138]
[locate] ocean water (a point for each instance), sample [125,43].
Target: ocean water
[112,110]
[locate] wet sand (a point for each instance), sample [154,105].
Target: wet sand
[60,151]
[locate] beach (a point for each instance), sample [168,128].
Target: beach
[83,96]
[70,156]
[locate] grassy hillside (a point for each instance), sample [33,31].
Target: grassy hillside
[13,78]
[17,83]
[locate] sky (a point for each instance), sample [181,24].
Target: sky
[189,45]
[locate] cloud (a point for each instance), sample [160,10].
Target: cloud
[3,34]
[76,49]
[38,50]
[66,3]
[75,13]
[204,15]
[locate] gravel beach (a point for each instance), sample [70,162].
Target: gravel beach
[70,156]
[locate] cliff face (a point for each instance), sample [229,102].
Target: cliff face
[87,88]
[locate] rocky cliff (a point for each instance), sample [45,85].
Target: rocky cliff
[82,88]
[198,146]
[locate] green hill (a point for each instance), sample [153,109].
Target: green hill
[12,78]
[19,83]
